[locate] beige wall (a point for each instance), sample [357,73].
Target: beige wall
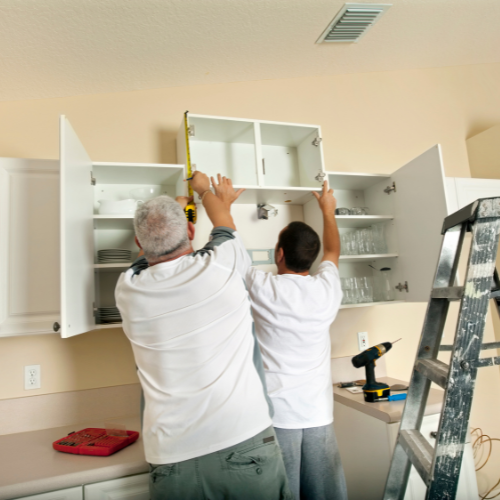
[372,122]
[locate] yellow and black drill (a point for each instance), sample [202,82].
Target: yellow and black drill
[372,390]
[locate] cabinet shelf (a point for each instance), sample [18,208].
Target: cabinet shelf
[105,326]
[369,304]
[351,221]
[113,222]
[354,181]
[276,195]
[367,257]
[112,267]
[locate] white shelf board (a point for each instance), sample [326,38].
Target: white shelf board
[136,173]
[114,222]
[112,267]
[354,181]
[108,325]
[276,195]
[347,221]
[369,304]
[367,257]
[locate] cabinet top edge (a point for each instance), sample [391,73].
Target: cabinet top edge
[250,120]
[178,166]
[359,174]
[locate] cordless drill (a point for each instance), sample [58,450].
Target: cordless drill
[372,390]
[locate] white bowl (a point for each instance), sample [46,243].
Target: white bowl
[122,207]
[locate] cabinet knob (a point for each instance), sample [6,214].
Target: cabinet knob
[56,327]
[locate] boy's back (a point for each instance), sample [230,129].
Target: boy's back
[293,314]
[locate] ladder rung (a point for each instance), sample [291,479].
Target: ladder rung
[419,451]
[486,345]
[434,370]
[448,292]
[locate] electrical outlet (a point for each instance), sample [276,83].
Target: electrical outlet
[32,377]
[362,340]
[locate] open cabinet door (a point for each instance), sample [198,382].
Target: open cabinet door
[419,208]
[77,243]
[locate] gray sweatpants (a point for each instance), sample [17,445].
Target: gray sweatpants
[312,463]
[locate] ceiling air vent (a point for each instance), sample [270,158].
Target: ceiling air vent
[352,22]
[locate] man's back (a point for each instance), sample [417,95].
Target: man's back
[293,314]
[190,326]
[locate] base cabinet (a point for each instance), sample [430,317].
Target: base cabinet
[75,493]
[366,445]
[124,488]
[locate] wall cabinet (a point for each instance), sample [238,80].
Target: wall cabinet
[51,231]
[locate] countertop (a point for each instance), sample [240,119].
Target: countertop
[29,465]
[387,411]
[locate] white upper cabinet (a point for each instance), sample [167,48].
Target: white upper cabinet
[410,217]
[276,162]
[29,246]
[87,282]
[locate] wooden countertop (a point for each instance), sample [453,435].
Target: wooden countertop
[387,411]
[29,465]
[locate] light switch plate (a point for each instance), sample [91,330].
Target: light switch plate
[362,340]
[32,377]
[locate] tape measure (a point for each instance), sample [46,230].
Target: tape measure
[190,209]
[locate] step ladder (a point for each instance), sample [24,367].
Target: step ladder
[439,467]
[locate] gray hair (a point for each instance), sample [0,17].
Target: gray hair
[161,227]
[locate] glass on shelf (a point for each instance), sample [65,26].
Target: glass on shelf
[367,241]
[383,291]
[357,290]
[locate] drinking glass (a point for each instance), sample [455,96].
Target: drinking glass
[379,243]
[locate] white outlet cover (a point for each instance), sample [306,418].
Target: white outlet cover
[32,376]
[362,340]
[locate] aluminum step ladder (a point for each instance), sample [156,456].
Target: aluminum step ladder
[439,467]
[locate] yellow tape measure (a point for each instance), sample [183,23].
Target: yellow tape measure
[190,209]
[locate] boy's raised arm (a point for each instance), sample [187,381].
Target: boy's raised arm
[331,239]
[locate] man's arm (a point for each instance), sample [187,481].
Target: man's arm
[217,206]
[331,238]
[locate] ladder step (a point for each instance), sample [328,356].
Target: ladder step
[434,370]
[419,451]
[448,292]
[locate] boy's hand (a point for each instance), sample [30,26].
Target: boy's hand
[224,190]
[200,182]
[327,202]
[184,201]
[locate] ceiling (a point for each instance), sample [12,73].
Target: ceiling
[58,48]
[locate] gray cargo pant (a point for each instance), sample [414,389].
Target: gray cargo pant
[251,470]
[312,463]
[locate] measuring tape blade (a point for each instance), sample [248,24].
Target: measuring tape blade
[190,209]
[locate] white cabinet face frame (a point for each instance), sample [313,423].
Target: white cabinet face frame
[125,488]
[276,162]
[85,283]
[29,246]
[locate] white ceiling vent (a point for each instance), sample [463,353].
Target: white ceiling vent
[352,22]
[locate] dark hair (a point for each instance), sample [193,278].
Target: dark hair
[301,245]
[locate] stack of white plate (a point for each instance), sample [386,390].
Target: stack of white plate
[111,255]
[109,315]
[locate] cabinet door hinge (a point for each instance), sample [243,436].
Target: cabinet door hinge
[390,189]
[92,179]
[317,141]
[191,131]
[401,287]
[321,177]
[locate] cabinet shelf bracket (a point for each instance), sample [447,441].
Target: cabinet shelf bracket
[390,189]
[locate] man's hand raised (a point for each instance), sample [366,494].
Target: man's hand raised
[224,190]
[327,202]
[200,182]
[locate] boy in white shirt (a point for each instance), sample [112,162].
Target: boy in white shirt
[293,312]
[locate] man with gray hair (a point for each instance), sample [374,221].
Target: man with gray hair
[207,426]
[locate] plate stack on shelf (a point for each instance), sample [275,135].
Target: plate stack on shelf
[114,255]
[109,315]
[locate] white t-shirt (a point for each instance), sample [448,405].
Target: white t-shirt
[292,316]
[190,326]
